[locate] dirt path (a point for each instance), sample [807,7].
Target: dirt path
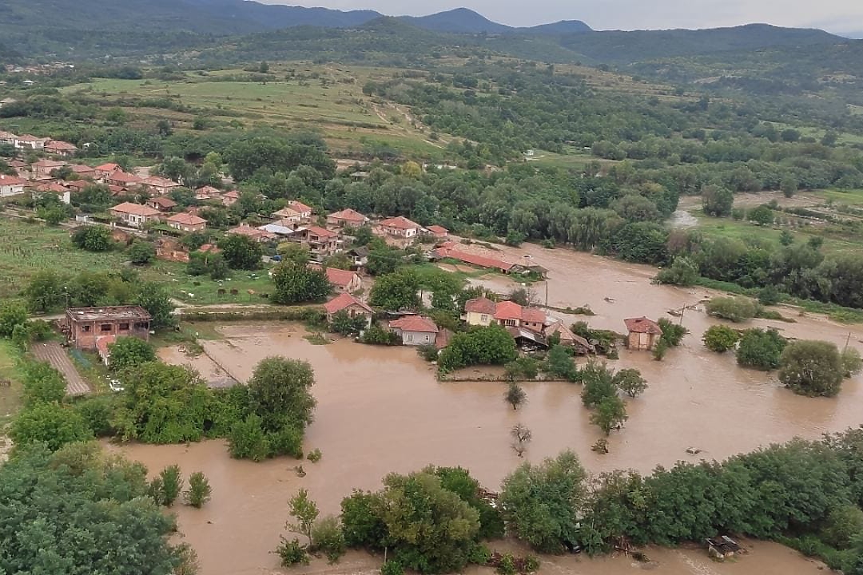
[53,353]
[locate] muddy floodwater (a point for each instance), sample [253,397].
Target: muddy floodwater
[382,410]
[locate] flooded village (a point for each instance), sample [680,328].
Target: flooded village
[382,410]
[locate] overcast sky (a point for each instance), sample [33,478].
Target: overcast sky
[834,15]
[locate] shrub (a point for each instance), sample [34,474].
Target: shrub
[812,368]
[12,315]
[329,539]
[314,455]
[851,361]
[199,491]
[660,350]
[760,349]
[292,553]
[392,568]
[376,335]
[769,296]
[736,309]
[483,346]
[428,352]
[142,253]
[630,382]
[247,440]
[683,272]
[720,338]
[171,484]
[672,333]
[598,384]
[560,364]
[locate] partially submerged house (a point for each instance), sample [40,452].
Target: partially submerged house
[349,304]
[568,339]
[448,250]
[723,547]
[84,326]
[415,330]
[483,311]
[527,339]
[643,334]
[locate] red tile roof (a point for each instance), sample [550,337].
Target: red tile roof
[52,187]
[439,230]
[135,209]
[109,168]
[82,169]
[507,310]
[208,191]
[480,305]
[232,194]
[158,182]
[164,202]
[344,301]
[400,223]
[341,278]
[123,177]
[187,219]
[472,259]
[349,215]
[11,181]
[642,325]
[299,206]
[60,145]
[209,249]
[532,315]
[414,323]
[321,232]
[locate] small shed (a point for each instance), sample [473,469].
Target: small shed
[527,339]
[643,334]
[723,547]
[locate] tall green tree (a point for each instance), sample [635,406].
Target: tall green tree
[280,393]
[812,368]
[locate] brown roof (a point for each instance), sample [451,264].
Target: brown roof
[234,194]
[507,310]
[61,145]
[50,164]
[642,325]
[209,249]
[447,251]
[344,301]
[414,323]
[82,169]
[208,191]
[349,215]
[532,315]
[108,168]
[135,209]
[164,202]
[250,232]
[158,182]
[121,176]
[400,223]
[187,219]
[341,278]
[299,206]
[52,187]
[319,231]
[438,229]
[480,305]
[11,181]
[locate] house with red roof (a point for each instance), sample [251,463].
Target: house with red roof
[121,178]
[256,234]
[449,251]
[483,311]
[162,204]
[294,212]
[643,334]
[11,186]
[56,188]
[186,222]
[43,168]
[83,172]
[135,215]
[30,142]
[438,232]
[322,243]
[349,304]
[160,186]
[105,170]
[61,148]
[399,227]
[415,330]
[346,218]
[344,281]
[230,198]
[205,193]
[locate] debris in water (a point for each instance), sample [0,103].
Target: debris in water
[693,450]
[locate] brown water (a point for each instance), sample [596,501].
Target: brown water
[381,410]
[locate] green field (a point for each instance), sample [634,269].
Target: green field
[327,100]
[10,379]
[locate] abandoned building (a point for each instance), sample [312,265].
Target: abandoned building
[642,334]
[85,326]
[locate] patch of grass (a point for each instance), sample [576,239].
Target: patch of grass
[10,372]
[180,285]
[317,338]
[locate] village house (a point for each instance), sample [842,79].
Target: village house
[255,234]
[186,222]
[61,148]
[160,186]
[11,186]
[77,185]
[346,218]
[643,334]
[344,281]
[438,232]
[205,193]
[321,243]
[28,142]
[350,305]
[83,172]
[230,198]
[482,311]
[295,211]
[135,215]
[43,168]
[84,326]
[399,227]
[415,330]
[359,257]
[105,170]
[7,138]
[62,192]
[448,251]
[568,339]
[162,204]
[122,179]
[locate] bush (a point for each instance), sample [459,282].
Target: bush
[292,553]
[560,364]
[844,524]
[769,296]
[53,424]
[851,361]
[314,455]
[683,272]
[42,384]
[12,315]
[199,491]
[672,333]
[129,352]
[736,309]
[630,382]
[247,440]
[760,349]
[93,238]
[142,253]
[483,346]
[598,384]
[392,568]
[171,482]
[344,324]
[720,338]
[376,335]
[812,368]
[428,352]
[329,539]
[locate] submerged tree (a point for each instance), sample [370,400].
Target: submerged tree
[521,436]
[515,395]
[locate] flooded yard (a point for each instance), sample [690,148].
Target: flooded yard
[382,410]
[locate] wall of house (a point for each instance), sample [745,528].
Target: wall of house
[83,335]
[416,337]
[641,341]
[482,319]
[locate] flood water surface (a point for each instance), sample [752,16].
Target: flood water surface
[382,410]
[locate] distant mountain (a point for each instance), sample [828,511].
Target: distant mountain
[559,28]
[459,21]
[276,16]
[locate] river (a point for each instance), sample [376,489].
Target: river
[382,410]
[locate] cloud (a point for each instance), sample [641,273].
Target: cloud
[835,15]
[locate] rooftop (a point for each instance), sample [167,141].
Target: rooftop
[344,301]
[135,209]
[299,206]
[414,323]
[480,305]
[187,219]
[400,223]
[436,229]
[642,325]
[321,232]
[130,312]
[348,215]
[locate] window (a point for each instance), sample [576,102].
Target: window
[428,338]
[510,322]
[483,318]
[409,337]
[124,327]
[106,327]
[85,329]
